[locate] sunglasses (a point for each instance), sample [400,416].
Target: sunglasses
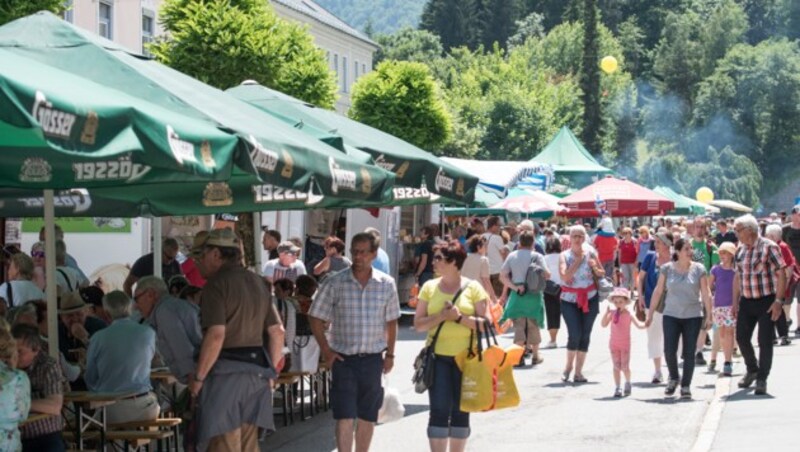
[438,257]
[37,254]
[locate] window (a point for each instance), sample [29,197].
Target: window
[105,20]
[336,63]
[344,74]
[69,15]
[147,30]
[363,69]
[355,71]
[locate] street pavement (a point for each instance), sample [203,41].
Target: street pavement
[558,416]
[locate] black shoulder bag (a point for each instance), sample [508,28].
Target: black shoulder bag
[425,361]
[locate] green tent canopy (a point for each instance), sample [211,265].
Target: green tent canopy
[276,153]
[413,166]
[568,156]
[683,205]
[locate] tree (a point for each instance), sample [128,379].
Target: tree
[631,38]
[725,27]
[224,42]
[452,20]
[409,44]
[590,78]
[403,99]
[756,89]
[14,9]
[678,63]
[497,21]
[529,27]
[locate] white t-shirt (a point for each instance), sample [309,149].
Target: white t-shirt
[22,291]
[494,247]
[475,267]
[552,261]
[273,270]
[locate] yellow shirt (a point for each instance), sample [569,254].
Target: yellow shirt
[454,337]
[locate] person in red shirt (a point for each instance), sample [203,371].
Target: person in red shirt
[606,243]
[628,252]
[774,232]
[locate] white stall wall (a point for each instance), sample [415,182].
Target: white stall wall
[388,223]
[290,223]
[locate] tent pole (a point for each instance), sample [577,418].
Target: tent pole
[158,252]
[257,241]
[50,272]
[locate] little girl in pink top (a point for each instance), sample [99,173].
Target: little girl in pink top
[620,341]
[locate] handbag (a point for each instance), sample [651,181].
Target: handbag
[603,283]
[552,288]
[479,375]
[424,363]
[506,392]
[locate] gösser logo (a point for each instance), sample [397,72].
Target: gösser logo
[122,169]
[35,169]
[341,178]
[54,122]
[263,159]
[267,193]
[443,182]
[78,198]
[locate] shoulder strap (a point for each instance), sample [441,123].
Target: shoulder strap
[10,294]
[464,285]
[66,278]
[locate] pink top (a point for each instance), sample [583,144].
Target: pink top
[620,331]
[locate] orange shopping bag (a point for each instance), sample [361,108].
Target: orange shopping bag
[413,297]
[495,314]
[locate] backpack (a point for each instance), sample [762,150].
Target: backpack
[535,281]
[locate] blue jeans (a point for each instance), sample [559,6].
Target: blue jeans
[579,323]
[446,418]
[676,329]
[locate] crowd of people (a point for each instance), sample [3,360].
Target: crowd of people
[225,333]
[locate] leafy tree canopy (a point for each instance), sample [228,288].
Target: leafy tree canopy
[14,9]
[224,42]
[409,44]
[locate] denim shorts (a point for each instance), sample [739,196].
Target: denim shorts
[356,389]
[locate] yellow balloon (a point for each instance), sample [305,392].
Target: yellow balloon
[608,64]
[704,195]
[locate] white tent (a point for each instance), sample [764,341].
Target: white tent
[497,176]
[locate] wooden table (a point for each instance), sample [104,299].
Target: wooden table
[98,401]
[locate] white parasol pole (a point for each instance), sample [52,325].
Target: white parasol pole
[257,241]
[50,272]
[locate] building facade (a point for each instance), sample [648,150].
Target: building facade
[349,51]
[130,23]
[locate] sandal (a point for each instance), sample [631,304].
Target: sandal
[565,376]
[579,379]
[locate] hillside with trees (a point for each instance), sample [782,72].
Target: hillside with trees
[378,16]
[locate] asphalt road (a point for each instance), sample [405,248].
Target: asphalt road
[551,416]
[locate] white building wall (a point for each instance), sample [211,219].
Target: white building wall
[126,23]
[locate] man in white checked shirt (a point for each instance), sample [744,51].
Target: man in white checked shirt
[363,307]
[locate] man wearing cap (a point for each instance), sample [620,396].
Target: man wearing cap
[118,360]
[176,322]
[363,307]
[760,281]
[286,266]
[234,372]
[75,328]
[270,242]
[144,265]
[791,235]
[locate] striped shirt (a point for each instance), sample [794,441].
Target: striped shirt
[46,380]
[358,314]
[758,266]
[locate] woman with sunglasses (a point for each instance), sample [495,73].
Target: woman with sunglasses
[686,283]
[459,318]
[37,254]
[579,301]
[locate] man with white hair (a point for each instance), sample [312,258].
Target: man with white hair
[118,360]
[176,322]
[758,288]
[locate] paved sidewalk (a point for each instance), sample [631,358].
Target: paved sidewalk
[749,422]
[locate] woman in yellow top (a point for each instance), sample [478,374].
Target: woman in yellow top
[447,424]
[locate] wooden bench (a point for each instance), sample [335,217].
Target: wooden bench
[171,425]
[285,385]
[138,438]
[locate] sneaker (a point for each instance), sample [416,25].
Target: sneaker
[712,365]
[797,332]
[699,360]
[786,341]
[747,380]
[672,385]
[537,359]
[727,369]
[551,345]
[686,393]
[627,391]
[761,387]
[618,392]
[657,378]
